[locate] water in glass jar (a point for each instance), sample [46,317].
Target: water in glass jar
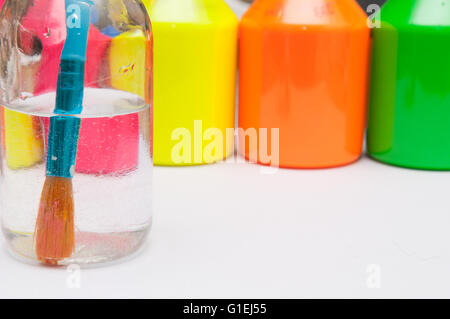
[113,174]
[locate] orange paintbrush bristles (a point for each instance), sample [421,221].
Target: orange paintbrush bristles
[55,232]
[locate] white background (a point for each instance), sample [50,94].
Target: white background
[230,230]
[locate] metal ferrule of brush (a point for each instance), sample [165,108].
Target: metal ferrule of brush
[62,146]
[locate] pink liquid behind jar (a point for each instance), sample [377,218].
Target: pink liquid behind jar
[107,145]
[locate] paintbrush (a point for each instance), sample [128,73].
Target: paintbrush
[55,231]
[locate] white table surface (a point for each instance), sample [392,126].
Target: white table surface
[232,230]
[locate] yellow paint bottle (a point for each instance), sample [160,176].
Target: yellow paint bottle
[127,58]
[130,66]
[23,140]
[195,56]
[24,145]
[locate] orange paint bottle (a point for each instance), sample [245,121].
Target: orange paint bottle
[304,71]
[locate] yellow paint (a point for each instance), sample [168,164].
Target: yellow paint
[127,62]
[195,54]
[24,144]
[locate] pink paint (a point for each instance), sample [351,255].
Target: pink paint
[107,145]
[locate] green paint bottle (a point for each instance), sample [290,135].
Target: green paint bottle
[409,117]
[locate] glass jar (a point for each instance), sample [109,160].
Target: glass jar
[111,179]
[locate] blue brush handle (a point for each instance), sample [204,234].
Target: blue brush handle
[70,86]
[64,130]
[62,146]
